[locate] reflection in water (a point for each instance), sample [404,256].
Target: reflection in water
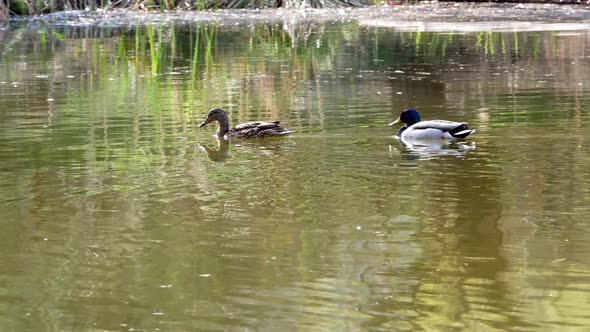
[112,217]
[218,153]
[413,149]
[258,147]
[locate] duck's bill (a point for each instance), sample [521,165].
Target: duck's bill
[204,123]
[398,120]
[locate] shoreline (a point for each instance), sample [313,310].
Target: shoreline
[20,9]
[438,15]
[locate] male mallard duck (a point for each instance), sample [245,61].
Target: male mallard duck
[245,130]
[433,129]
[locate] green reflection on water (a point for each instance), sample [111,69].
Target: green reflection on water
[117,213]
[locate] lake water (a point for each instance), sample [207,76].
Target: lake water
[118,214]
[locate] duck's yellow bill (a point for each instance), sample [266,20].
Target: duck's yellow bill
[398,120]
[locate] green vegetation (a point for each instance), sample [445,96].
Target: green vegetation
[36,7]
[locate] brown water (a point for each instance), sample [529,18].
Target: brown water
[117,214]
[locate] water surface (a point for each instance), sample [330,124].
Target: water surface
[118,214]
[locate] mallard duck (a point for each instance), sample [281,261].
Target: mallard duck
[433,129]
[245,130]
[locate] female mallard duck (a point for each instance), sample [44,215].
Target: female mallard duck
[433,129]
[245,130]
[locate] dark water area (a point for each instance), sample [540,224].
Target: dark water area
[118,214]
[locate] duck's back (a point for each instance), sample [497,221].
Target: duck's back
[258,129]
[437,124]
[435,129]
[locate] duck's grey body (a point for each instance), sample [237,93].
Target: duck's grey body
[433,129]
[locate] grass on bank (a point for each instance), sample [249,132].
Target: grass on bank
[37,7]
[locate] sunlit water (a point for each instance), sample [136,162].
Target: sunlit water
[117,213]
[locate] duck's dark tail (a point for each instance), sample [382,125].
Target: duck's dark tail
[461,131]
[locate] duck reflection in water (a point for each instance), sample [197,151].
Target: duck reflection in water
[218,154]
[430,149]
[260,148]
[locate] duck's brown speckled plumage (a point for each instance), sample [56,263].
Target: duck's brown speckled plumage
[254,129]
